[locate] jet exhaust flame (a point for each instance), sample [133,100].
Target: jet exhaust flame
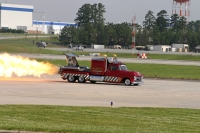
[21,66]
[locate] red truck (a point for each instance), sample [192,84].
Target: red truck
[103,69]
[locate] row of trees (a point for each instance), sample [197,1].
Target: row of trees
[155,30]
[5,30]
[93,30]
[159,30]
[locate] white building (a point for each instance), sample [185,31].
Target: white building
[163,48]
[197,48]
[49,27]
[96,46]
[181,47]
[15,16]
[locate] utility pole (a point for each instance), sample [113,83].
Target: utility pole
[133,35]
[42,16]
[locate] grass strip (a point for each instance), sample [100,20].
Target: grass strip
[25,45]
[98,119]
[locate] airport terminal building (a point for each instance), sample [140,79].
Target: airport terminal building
[17,16]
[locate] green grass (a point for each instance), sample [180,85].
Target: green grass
[22,45]
[98,119]
[188,57]
[167,71]
[152,70]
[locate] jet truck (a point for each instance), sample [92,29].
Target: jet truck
[102,69]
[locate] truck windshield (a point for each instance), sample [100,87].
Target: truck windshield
[123,67]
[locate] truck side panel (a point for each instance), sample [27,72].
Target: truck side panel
[98,66]
[65,74]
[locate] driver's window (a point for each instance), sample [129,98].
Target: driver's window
[113,68]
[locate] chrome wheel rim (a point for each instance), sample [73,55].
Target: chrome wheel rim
[81,79]
[71,78]
[127,82]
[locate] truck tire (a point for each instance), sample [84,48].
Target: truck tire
[92,82]
[81,79]
[71,79]
[127,82]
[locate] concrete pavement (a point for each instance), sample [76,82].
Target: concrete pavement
[125,60]
[52,90]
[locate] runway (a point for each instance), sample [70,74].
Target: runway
[52,90]
[125,60]
[64,49]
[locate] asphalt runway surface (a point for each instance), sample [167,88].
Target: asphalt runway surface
[64,49]
[125,60]
[52,90]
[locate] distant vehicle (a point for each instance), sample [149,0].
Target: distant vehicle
[41,44]
[70,45]
[149,47]
[117,47]
[197,49]
[78,48]
[96,46]
[140,47]
[129,47]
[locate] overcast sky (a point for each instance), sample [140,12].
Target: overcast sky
[116,10]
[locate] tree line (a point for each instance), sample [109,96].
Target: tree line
[162,29]
[9,30]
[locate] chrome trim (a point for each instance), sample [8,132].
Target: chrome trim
[97,78]
[69,67]
[137,82]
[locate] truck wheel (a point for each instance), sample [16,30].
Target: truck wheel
[92,82]
[81,79]
[127,82]
[71,79]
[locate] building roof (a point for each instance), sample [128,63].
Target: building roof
[197,47]
[162,45]
[16,7]
[51,23]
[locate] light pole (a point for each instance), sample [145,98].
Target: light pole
[133,35]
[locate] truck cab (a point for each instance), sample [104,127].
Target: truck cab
[124,75]
[113,71]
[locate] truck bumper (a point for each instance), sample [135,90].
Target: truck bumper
[137,82]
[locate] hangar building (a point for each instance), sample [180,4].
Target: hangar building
[15,16]
[49,27]
[163,48]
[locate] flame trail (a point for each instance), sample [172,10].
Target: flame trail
[21,66]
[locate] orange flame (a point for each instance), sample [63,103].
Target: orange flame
[21,66]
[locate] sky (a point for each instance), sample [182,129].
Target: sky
[117,11]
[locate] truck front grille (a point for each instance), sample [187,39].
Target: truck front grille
[138,78]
